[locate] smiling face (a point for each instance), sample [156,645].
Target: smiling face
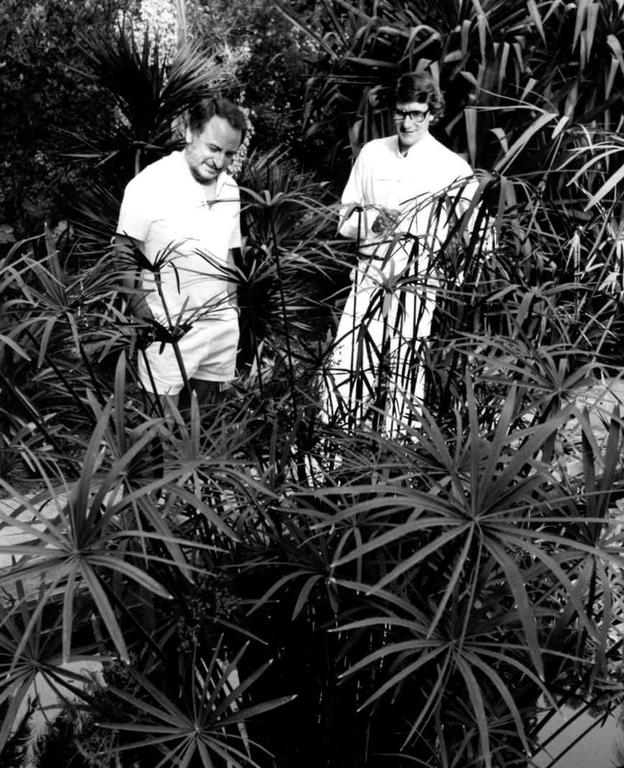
[412,127]
[212,150]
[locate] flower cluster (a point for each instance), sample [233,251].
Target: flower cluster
[239,158]
[158,19]
[234,57]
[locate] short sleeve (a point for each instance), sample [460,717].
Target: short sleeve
[232,193]
[137,211]
[235,237]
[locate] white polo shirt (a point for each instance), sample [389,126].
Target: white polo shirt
[190,237]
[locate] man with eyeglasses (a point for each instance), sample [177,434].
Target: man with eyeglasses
[396,169]
[391,206]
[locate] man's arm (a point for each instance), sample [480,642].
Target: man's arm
[125,248]
[352,216]
[360,218]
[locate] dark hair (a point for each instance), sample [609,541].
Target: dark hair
[206,109]
[421,89]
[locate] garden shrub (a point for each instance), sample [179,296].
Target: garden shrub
[43,99]
[419,595]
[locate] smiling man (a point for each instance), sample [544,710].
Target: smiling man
[182,212]
[390,206]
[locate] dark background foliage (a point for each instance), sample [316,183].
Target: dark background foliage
[42,98]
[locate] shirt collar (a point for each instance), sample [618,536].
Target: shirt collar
[414,149]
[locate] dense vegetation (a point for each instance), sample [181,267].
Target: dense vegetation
[262,585]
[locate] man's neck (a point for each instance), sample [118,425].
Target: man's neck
[405,148]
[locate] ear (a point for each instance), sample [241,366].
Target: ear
[188,135]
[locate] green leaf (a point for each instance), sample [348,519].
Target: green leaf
[478,705]
[523,140]
[105,610]
[607,187]
[523,604]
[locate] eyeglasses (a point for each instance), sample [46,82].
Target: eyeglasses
[415,116]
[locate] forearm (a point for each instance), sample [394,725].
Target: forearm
[125,248]
[352,223]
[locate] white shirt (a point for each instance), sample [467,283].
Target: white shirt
[166,209]
[384,178]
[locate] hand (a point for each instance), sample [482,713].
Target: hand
[386,221]
[139,308]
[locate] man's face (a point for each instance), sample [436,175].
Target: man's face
[412,120]
[211,151]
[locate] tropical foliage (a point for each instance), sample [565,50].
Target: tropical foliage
[275,59]
[41,97]
[262,585]
[500,64]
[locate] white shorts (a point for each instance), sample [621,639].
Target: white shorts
[208,352]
